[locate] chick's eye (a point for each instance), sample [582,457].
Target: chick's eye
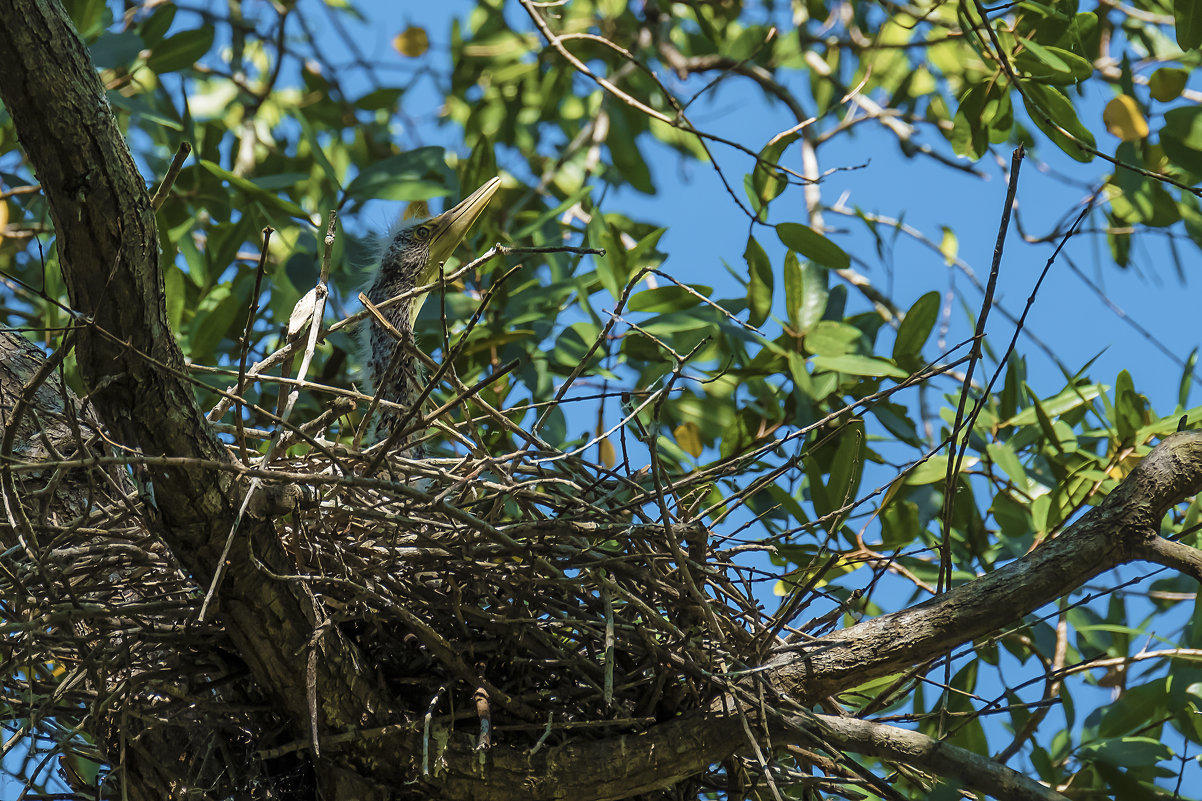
[422,232]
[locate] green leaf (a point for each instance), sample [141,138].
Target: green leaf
[116,49]
[914,330]
[1127,752]
[1004,457]
[624,148]
[829,338]
[1181,137]
[667,299]
[794,289]
[574,343]
[860,365]
[215,319]
[969,137]
[805,292]
[180,51]
[1167,83]
[900,523]
[847,467]
[767,181]
[930,471]
[1054,114]
[157,24]
[1062,403]
[254,192]
[418,174]
[1129,408]
[1052,64]
[759,282]
[1187,379]
[611,268]
[318,152]
[812,245]
[87,15]
[1187,14]
[174,290]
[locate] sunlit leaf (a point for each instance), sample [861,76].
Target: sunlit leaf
[411,42]
[1124,119]
[915,329]
[688,437]
[667,298]
[860,365]
[812,245]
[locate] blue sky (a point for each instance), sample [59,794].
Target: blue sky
[705,228]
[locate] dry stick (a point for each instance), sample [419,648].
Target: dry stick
[250,322]
[1022,318]
[601,337]
[319,308]
[177,163]
[953,465]
[15,512]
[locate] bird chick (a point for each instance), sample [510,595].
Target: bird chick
[413,256]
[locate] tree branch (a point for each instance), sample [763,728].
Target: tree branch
[971,769]
[1122,528]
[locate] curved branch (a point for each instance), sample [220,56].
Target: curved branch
[971,769]
[1124,527]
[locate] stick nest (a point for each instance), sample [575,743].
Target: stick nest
[524,600]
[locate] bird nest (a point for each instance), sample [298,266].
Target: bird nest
[527,599]
[540,588]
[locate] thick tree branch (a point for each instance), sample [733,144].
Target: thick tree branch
[1123,527]
[973,771]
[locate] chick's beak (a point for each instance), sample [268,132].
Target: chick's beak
[452,225]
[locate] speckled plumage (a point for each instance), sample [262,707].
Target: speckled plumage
[412,258]
[401,267]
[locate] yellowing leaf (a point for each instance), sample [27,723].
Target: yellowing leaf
[1124,119]
[688,437]
[608,457]
[411,42]
[3,217]
[949,247]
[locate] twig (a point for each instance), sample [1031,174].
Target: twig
[250,322]
[177,163]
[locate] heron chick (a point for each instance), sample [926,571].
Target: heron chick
[413,256]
